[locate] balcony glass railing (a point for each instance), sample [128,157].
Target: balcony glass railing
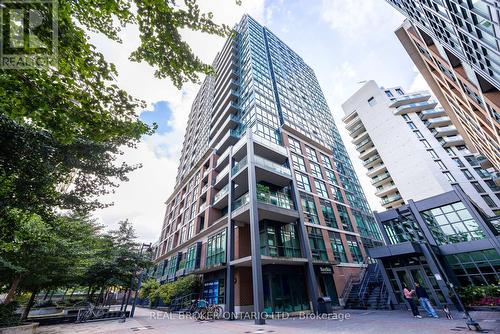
[414,105]
[391,199]
[363,143]
[272,165]
[221,193]
[356,128]
[372,159]
[222,174]
[280,199]
[265,142]
[276,198]
[239,165]
[411,96]
[280,251]
[241,201]
[380,177]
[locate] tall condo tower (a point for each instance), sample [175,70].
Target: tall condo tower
[455,44]
[411,149]
[267,207]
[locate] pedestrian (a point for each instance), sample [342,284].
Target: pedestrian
[423,298]
[408,294]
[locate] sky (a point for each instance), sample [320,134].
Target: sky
[345,42]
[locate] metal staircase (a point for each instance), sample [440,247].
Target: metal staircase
[369,292]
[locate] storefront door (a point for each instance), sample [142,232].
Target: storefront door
[410,275]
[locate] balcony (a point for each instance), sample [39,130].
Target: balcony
[361,145]
[231,122]
[230,138]
[391,199]
[272,166]
[410,98]
[203,207]
[376,170]
[222,194]
[222,177]
[380,179]
[449,130]
[414,107]
[368,153]
[383,191]
[363,135]
[357,130]
[350,125]
[239,166]
[452,141]
[432,113]
[367,163]
[225,100]
[204,189]
[222,114]
[276,198]
[439,121]
[269,150]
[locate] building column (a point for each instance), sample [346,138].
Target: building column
[387,282]
[230,243]
[257,284]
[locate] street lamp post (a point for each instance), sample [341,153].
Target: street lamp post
[148,249]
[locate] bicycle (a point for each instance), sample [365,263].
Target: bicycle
[204,311]
[89,313]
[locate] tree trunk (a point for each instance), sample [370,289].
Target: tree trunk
[46,294]
[64,294]
[72,292]
[12,290]
[88,293]
[51,294]
[28,307]
[123,299]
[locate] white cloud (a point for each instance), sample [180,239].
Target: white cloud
[418,83]
[355,19]
[142,198]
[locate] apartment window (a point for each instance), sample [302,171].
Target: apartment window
[406,118]
[191,258]
[468,174]
[326,161]
[316,170]
[317,243]
[433,154]
[298,162]
[372,101]
[450,152]
[294,145]
[426,143]
[309,208]
[492,185]
[483,173]
[328,214]
[321,188]
[388,93]
[172,266]
[477,268]
[489,201]
[216,249]
[330,176]
[337,194]
[472,160]
[302,181]
[411,125]
[441,165]
[344,218]
[337,246]
[478,187]
[311,154]
[449,177]
[399,91]
[458,162]
[452,223]
[353,245]
[418,134]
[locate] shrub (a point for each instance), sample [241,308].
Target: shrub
[480,295]
[8,315]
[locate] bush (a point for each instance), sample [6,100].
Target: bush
[480,295]
[8,315]
[185,285]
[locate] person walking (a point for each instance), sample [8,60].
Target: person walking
[408,294]
[423,297]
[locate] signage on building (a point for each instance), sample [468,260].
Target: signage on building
[325,270]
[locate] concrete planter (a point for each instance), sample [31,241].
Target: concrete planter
[23,329]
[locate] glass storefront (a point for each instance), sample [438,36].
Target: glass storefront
[284,289]
[279,240]
[476,268]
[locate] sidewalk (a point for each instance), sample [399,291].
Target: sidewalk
[387,322]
